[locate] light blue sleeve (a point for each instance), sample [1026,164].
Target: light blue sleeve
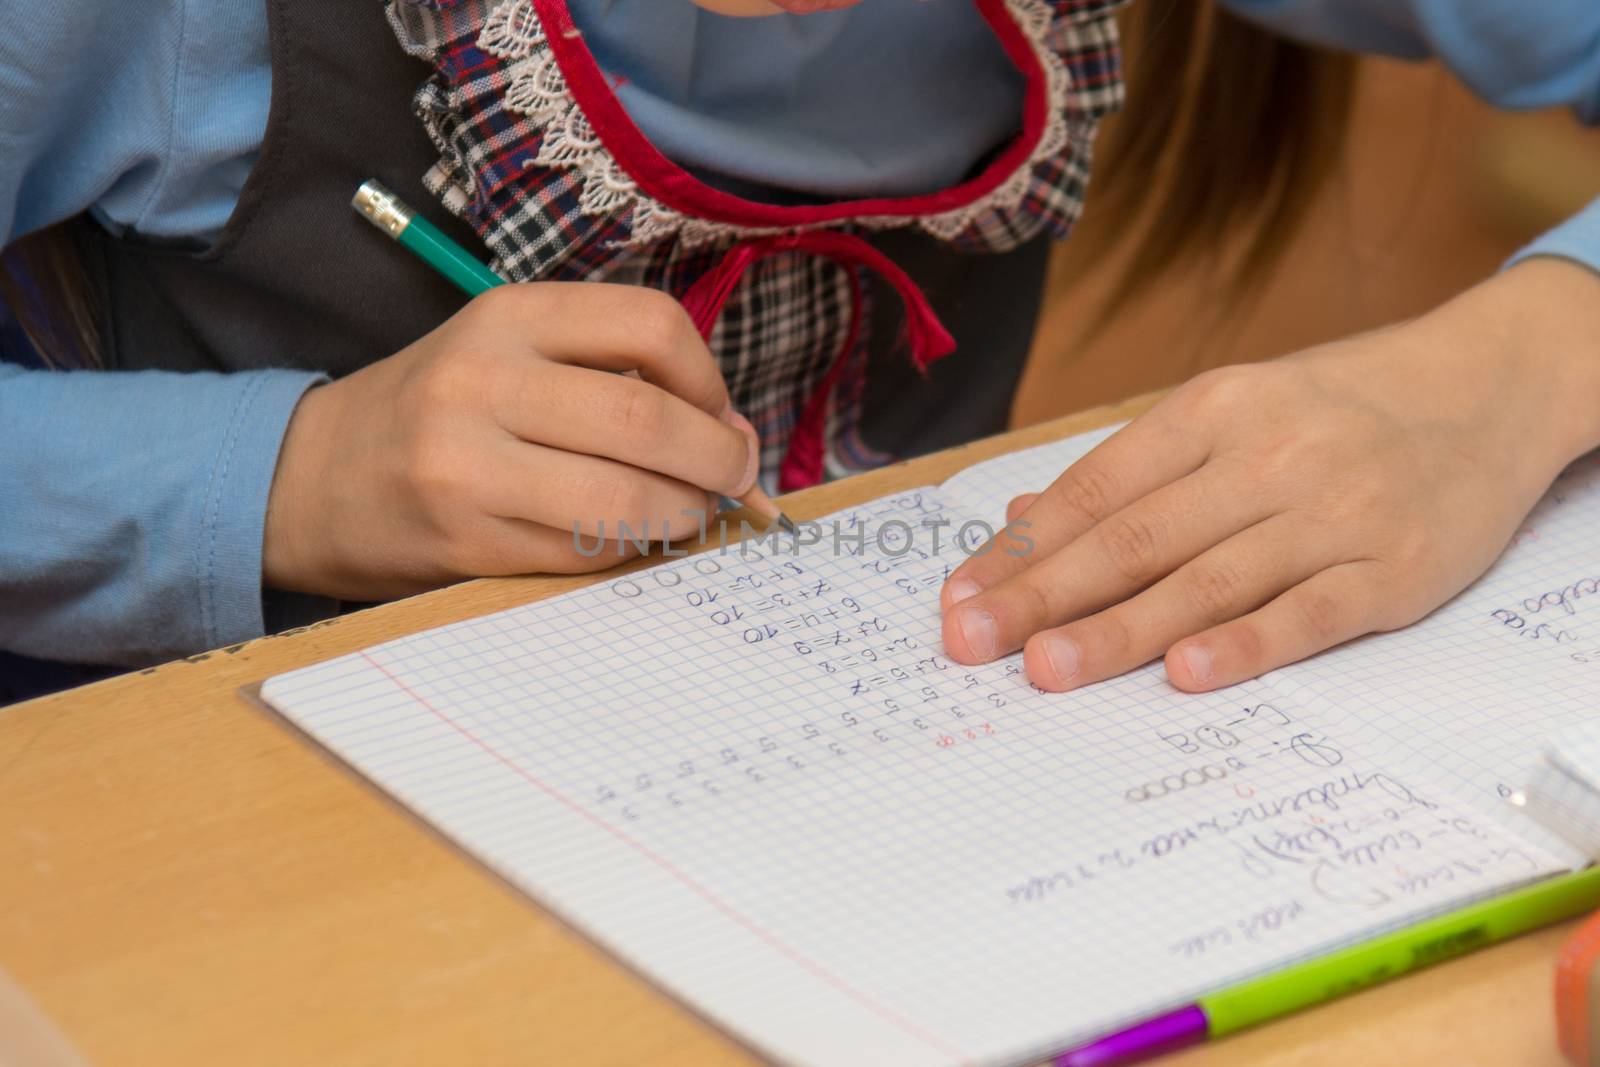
[1513,53]
[1577,239]
[149,114]
[132,505]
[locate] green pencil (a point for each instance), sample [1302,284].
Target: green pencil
[416,234]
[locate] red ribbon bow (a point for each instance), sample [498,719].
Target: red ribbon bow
[925,335]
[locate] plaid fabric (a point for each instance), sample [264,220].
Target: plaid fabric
[775,341]
[509,175]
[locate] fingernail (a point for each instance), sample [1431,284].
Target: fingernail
[1062,652]
[752,467]
[977,626]
[1198,660]
[960,589]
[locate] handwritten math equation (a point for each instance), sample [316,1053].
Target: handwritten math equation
[1555,619]
[1558,617]
[859,619]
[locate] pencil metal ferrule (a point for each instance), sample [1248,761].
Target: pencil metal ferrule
[383,209]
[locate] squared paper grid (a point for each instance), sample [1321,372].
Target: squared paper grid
[1467,698]
[1471,691]
[874,907]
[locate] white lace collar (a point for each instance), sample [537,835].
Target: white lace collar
[538,90]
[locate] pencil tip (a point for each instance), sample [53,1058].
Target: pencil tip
[787,525]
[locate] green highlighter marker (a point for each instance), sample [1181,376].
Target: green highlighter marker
[1432,941]
[416,234]
[1347,970]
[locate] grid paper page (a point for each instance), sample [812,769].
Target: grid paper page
[986,488]
[757,780]
[1472,699]
[1472,691]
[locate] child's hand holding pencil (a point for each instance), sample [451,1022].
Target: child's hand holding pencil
[481,448]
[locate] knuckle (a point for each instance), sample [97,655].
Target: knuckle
[637,410]
[618,498]
[1214,591]
[1220,387]
[1414,550]
[1025,604]
[435,469]
[1131,544]
[1321,616]
[661,322]
[1356,504]
[1249,645]
[1283,463]
[1037,603]
[1388,611]
[1115,639]
[461,555]
[451,381]
[1088,489]
[495,313]
[496,303]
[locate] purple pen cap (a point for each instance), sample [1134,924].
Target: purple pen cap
[1165,1033]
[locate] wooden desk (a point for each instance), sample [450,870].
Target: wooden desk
[184,880]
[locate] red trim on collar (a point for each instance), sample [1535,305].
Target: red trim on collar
[662,180]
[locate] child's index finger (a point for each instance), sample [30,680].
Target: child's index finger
[1127,466]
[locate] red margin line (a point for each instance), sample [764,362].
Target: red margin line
[793,955]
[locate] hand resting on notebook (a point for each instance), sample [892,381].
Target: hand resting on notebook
[1263,513]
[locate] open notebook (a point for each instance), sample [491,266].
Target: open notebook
[757,780]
